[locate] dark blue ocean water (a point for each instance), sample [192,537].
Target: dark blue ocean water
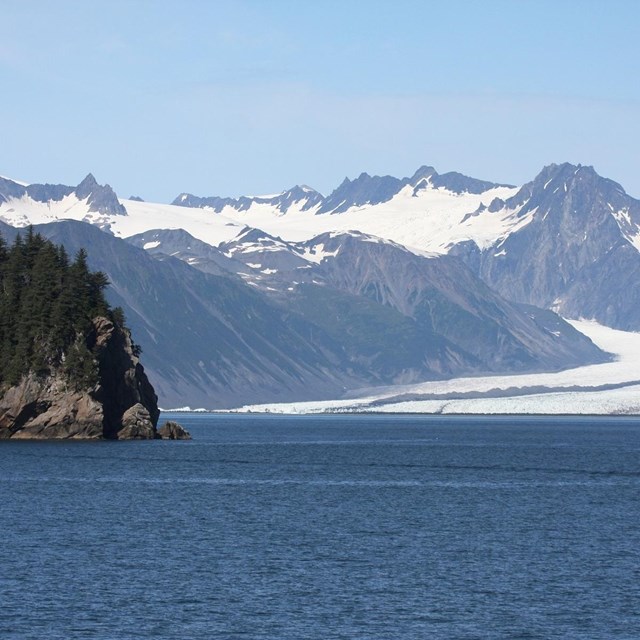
[327,527]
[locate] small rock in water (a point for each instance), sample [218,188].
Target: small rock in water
[171,430]
[136,424]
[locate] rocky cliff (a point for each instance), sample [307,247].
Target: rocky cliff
[576,250]
[121,405]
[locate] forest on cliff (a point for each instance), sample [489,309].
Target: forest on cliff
[47,303]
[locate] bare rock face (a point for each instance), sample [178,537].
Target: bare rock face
[43,408]
[136,424]
[123,382]
[171,430]
[122,405]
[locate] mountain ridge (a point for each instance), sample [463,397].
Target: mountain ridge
[578,252]
[365,189]
[566,241]
[99,198]
[221,340]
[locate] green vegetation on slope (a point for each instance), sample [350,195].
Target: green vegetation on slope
[47,303]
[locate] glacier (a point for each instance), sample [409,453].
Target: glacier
[600,389]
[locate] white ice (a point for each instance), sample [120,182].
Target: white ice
[579,398]
[429,221]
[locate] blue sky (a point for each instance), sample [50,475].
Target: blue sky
[229,98]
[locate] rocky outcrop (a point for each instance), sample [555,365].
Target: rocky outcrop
[100,198]
[171,430]
[123,382]
[136,424]
[44,408]
[122,405]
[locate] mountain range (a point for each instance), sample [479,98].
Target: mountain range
[384,281]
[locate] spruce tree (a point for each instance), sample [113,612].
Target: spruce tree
[47,304]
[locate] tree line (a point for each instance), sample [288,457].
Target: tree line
[47,303]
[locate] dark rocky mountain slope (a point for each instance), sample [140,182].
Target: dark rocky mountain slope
[578,254]
[396,316]
[208,340]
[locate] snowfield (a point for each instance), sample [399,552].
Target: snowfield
[141,216]
[609,388]
[431,220]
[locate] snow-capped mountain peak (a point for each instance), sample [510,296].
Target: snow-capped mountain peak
[299,197]
[21,204]
[539,243]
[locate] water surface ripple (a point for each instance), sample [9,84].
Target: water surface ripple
[354,527]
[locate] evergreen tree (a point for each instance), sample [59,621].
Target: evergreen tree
[46,308]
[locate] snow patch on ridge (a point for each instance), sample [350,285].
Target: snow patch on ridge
[487,228]
[317,253]
[630,230]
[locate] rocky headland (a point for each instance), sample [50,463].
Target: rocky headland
[122,405]
[69,368]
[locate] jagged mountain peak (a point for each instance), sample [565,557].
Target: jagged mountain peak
[299,189]
[281,201]
[89,183]
[557,182]
[364,190]
[253,234]
[422,173]
[568,172]
[574,249]
[427,177]
[303,196]
[183,199]
[100,199]
[563,173]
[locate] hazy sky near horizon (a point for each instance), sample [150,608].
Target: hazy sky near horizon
[246,97]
